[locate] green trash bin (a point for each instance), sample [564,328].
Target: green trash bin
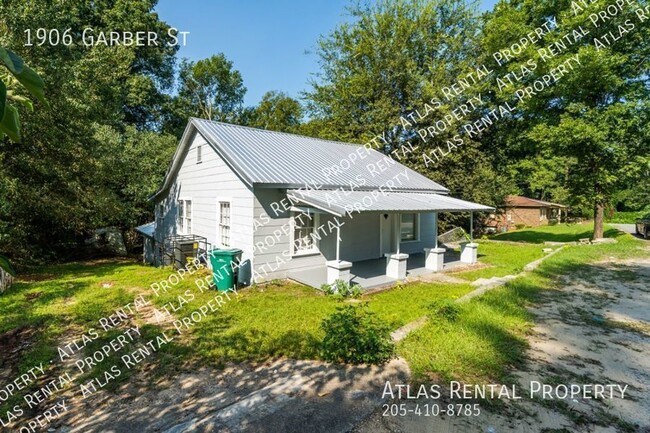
[225,267]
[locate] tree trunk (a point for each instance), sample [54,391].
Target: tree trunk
[599,211]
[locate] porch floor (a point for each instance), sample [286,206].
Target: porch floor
[372,273]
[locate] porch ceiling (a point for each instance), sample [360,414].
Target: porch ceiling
[340,202]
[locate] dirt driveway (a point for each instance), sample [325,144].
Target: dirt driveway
[595,328]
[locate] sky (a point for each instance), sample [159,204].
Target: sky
[272,43]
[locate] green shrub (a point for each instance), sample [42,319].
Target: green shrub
[520,226]
[355,335]
[552,221]
[341,290]
[444,309]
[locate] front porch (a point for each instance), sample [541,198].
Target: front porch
[399,229]
[372,273]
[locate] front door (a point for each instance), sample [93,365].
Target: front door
[386,227]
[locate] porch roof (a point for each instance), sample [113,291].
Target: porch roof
[340,202]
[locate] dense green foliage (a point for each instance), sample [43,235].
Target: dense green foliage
[395,57]
[355,335]
[585,136]
[209,89]
[581,140]
[276,111]
[65,177]
[116,112]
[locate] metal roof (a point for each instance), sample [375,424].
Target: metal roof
[280,159]
[147,229]
[339,202]
[520,201]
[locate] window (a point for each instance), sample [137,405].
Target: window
[304,237]
[185,216]
[224,223]
[409,227]
[542,213]
[198,154]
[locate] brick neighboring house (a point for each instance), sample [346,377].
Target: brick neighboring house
[526,211]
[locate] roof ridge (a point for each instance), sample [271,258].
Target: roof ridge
[276,132]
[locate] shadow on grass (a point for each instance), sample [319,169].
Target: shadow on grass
[258,345]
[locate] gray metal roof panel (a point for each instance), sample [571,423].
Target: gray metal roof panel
[341,202]
[270,157]
[147,229]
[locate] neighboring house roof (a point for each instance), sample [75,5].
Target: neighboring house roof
[277,159]
[147,230]
[519,201]
[342,202]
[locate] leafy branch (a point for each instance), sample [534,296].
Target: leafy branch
[14,75]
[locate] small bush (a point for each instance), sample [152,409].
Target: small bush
[444,309]
[341,290]
[355,335]
[520,226]
[552,222]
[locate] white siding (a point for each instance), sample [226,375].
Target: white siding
[359,237]
[272,238]
[266,245]
[206,184]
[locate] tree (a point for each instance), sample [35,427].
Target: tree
[595,117]
[52,192]
[277,112]
[391,59]
[210,89]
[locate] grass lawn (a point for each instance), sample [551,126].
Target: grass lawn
[260,322]
[60,302]
[557,233]
[488,335]
[504,259]
[628,217]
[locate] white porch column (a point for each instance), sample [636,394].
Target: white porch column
[396,262]
[434,258]
[338,241]
[396,226]
[471,226]
[435,229]
[338,270]
[469,253]
[396,265]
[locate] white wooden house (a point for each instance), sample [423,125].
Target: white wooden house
[300,207]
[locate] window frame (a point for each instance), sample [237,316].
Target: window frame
[315,249]
[416,228]
[182,219]
[221,201]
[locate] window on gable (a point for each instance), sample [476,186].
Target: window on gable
[198,154]
[224,223]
